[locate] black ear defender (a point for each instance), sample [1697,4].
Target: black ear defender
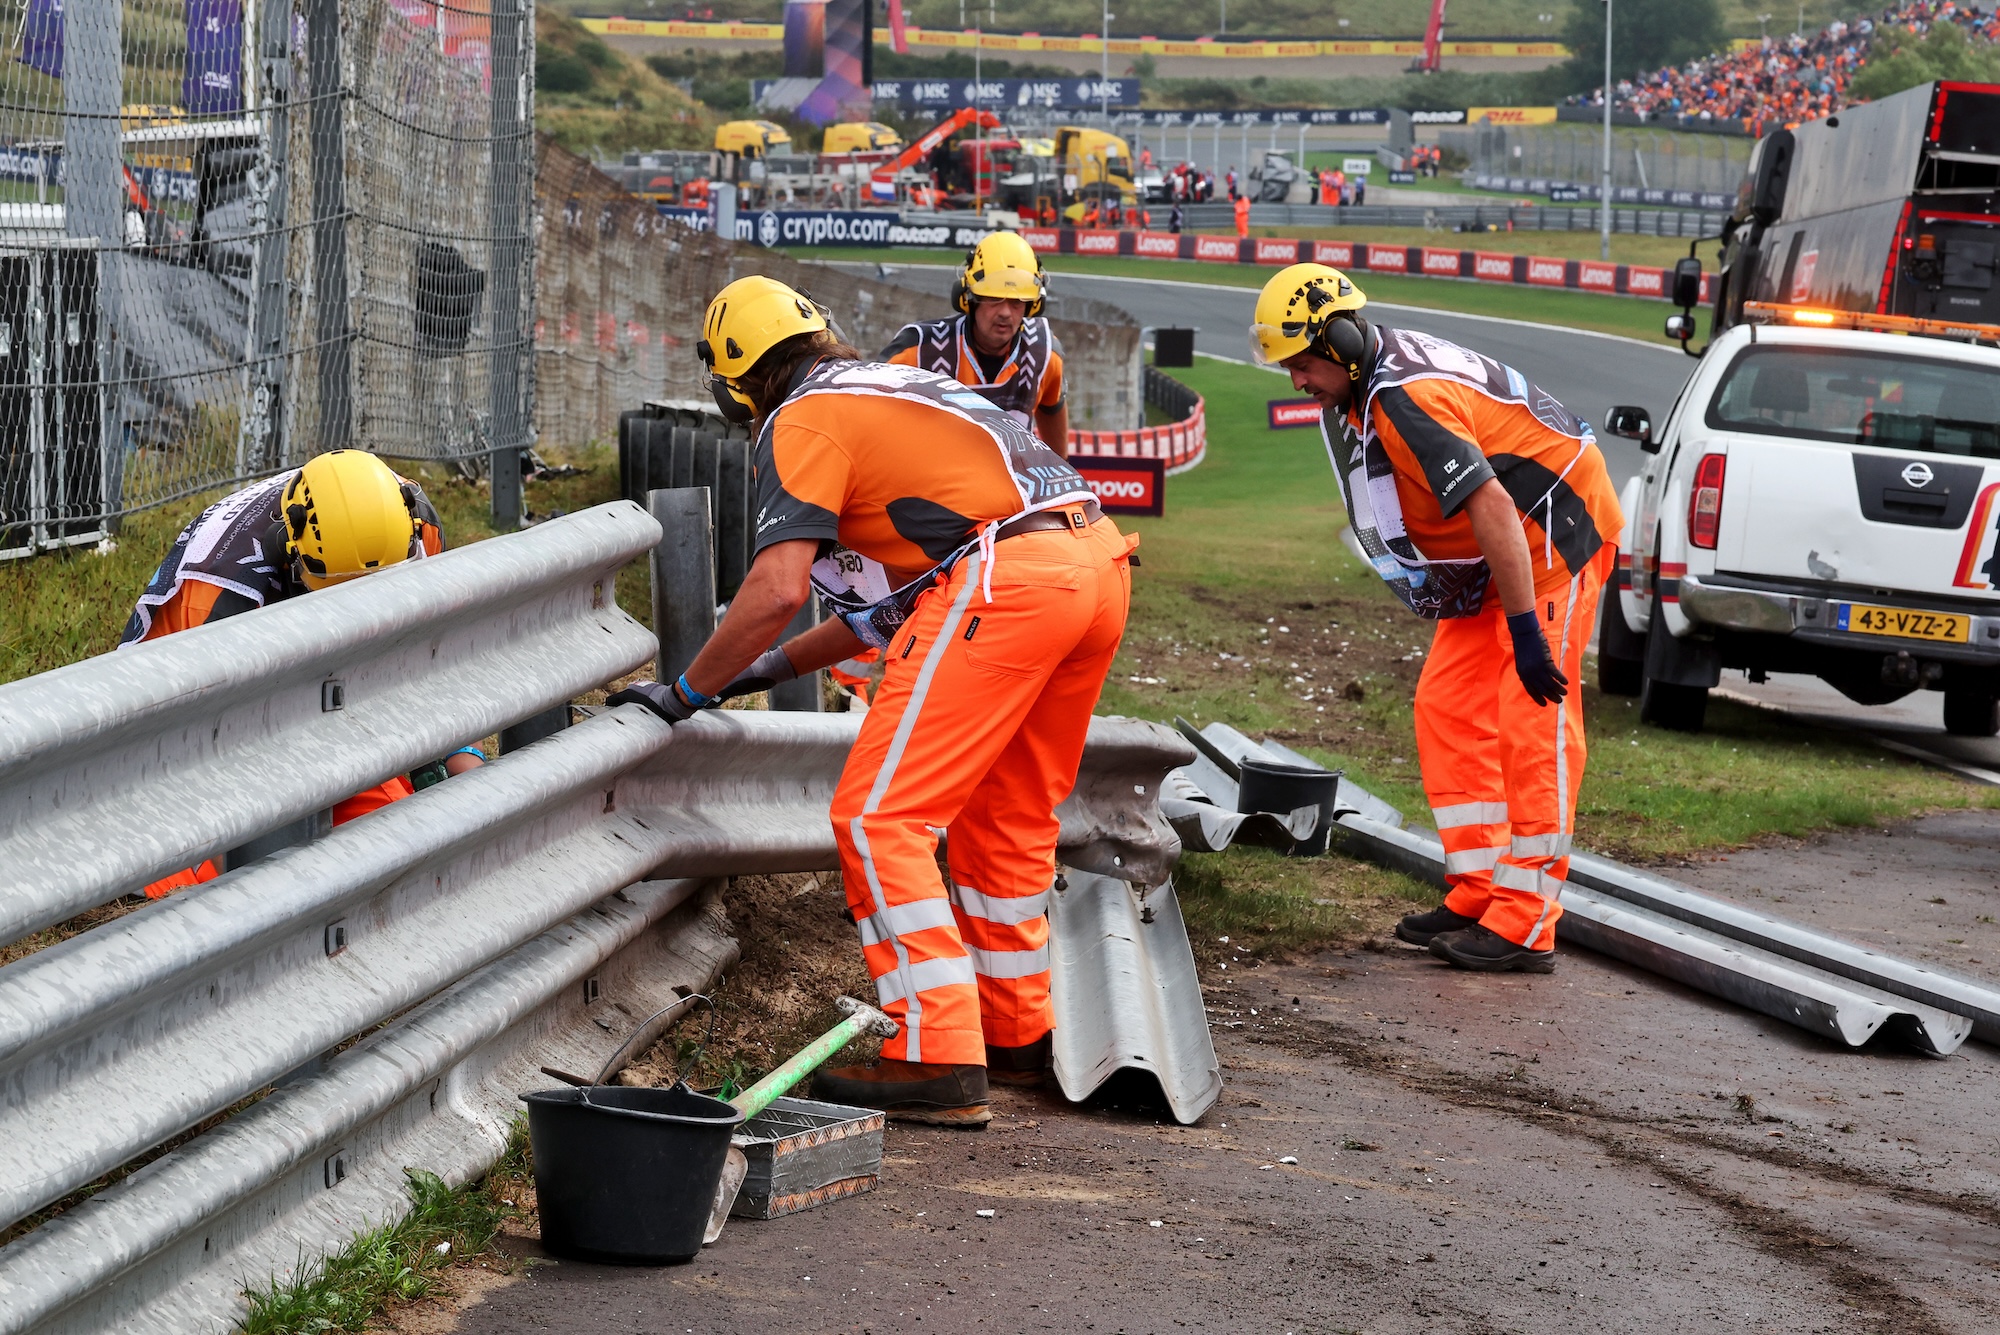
[1345,337]
[961,299]
[733,409]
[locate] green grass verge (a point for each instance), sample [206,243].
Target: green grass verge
[1629,316]
[72,604]
[1247,562]
[400,1262]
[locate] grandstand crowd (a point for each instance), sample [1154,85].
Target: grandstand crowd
[1784,80]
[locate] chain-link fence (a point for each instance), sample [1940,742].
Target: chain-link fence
[236,233]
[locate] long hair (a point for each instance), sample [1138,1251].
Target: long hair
[766,382]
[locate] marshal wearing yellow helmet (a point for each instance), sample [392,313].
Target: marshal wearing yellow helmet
[343,515]
[1486,506]
[933,523]
[998,343]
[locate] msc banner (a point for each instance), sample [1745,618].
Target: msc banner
[1292,412]
[1075,94]
[1263,116]
[833,227]
[1125,486]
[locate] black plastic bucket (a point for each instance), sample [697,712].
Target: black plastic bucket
[1268,786]
[627,1176]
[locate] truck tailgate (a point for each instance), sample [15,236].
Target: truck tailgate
[1908,522]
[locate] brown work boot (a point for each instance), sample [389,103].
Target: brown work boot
[1022,1067]
[1485,950]
[910,1091]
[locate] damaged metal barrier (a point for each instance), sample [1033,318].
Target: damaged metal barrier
[532,912]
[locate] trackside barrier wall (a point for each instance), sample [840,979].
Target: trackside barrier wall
[1182,443]
[466,919]
[1629,280]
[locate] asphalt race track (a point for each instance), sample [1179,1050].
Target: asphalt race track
[1588,371]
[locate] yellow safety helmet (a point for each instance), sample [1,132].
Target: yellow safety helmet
[746,320]
[346,513]
[1002,266]
[1310,307]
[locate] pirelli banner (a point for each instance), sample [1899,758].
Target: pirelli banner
[1625,280]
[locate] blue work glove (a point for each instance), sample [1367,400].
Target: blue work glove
[770,668]
[1539,674]
[666,701]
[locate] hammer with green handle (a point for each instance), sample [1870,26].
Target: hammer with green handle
[861,1019]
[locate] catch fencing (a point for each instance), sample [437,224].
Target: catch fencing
[533,911]
[241,232]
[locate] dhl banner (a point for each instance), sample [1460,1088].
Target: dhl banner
[1511,115]
[1032,42]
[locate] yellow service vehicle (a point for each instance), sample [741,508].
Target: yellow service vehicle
[1093,168]
[859,137]
[751,139]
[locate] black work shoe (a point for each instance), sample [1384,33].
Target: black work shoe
[910,1091]
[1484,949]
[1022,1067]
[1419,928]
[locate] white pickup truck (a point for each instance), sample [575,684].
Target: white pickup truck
[1821,501]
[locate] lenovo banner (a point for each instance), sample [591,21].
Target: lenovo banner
[1125,486]
[1284,413]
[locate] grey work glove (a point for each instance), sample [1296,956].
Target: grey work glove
[770,668]
[662,700]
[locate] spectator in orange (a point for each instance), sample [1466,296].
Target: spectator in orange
[1242,216]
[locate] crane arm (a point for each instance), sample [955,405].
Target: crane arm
[922,147]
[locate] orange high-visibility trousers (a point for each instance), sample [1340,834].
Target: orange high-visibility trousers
[345,810]
[977,729]
[1500,771]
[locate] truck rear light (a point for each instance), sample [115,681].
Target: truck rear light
[1705,502]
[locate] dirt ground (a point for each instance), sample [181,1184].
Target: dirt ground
[1402,1147]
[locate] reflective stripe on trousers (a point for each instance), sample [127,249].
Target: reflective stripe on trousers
[1501,772]
[978,730]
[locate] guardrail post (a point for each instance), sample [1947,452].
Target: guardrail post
[803,696]
[533,728]
[301,831]
[683,576]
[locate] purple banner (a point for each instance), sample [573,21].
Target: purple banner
[42,37]
[212,81]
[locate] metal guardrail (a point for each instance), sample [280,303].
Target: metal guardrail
[126,767]
[461,919]
[1800,989]
[1182,442]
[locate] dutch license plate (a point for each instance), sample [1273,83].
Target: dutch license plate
[1903,622]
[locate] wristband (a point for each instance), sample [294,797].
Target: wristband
[472,751]
[694,697]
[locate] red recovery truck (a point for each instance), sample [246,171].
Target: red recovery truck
[882,181]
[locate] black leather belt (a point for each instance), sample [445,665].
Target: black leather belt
[1048,519]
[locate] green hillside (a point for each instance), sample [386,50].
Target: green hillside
[597,102]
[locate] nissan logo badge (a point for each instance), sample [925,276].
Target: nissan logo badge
[1917,473]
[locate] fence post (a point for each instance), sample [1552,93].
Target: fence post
[510,374]
[328,139]
[261,443]
[683,576]
[94,209]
